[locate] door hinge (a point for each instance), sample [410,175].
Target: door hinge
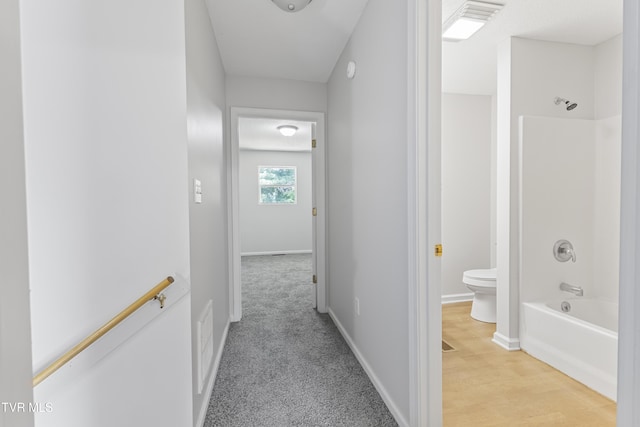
[315,279]
[314,211]
[438,250]
[313,143]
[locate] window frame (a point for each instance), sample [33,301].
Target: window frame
[293,186]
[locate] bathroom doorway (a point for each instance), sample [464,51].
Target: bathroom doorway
[468,60]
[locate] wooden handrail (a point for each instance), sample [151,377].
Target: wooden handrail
[62,360]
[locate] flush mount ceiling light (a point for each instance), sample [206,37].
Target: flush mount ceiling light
[291,5]
[288,130]
[468,19]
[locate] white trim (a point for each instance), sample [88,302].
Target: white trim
[629,338]
[233,218]
[393,408]
[424,90]
[453,298]
[511,344]
[296,252]
[212,378]
[319,183]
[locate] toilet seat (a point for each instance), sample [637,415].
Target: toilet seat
[482,278]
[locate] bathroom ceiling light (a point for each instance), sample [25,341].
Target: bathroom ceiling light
[288,130]
[468,19]
[291,5]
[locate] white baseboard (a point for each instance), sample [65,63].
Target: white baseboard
[453,298]
[402,422]
[276,253]
[212,378]
[511,344]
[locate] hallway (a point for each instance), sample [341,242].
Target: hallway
[285,364]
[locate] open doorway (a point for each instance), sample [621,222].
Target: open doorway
[527,88]
[277,194]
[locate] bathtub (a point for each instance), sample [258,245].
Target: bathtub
[582,343]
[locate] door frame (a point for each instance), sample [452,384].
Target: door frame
[424,229]
[318,155]
[629,296]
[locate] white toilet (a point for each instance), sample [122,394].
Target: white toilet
[483,285]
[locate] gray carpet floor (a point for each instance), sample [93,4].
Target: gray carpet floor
[284,364]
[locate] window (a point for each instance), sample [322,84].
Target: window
[277,185]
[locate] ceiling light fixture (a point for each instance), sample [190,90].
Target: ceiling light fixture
[291,5]
[468,19]
[288,130]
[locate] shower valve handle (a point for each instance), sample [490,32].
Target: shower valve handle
[563,251]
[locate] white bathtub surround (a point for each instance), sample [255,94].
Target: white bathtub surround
[582,343]
[557,198]
[570,189]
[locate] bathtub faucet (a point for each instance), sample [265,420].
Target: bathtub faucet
[577,290]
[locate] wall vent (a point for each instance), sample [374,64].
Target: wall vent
[205,344]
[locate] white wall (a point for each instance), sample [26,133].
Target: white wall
[207,220]
[466,187]
[608,78]
[15,334]
[106,163]
[278,94]
[367,164]
[268,229]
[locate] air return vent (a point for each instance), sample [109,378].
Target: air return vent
[205,344]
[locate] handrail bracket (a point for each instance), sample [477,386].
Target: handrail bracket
[160,297]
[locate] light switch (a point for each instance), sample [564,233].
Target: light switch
[197,191]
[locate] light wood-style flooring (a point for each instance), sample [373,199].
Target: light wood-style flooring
[485,385]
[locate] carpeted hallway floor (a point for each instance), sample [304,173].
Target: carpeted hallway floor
[285,364]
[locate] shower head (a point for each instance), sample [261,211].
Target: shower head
[570,105]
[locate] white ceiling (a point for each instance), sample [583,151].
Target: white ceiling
[262,134]
[256,38]
[470,66]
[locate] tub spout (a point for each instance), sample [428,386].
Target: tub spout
[576,290]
